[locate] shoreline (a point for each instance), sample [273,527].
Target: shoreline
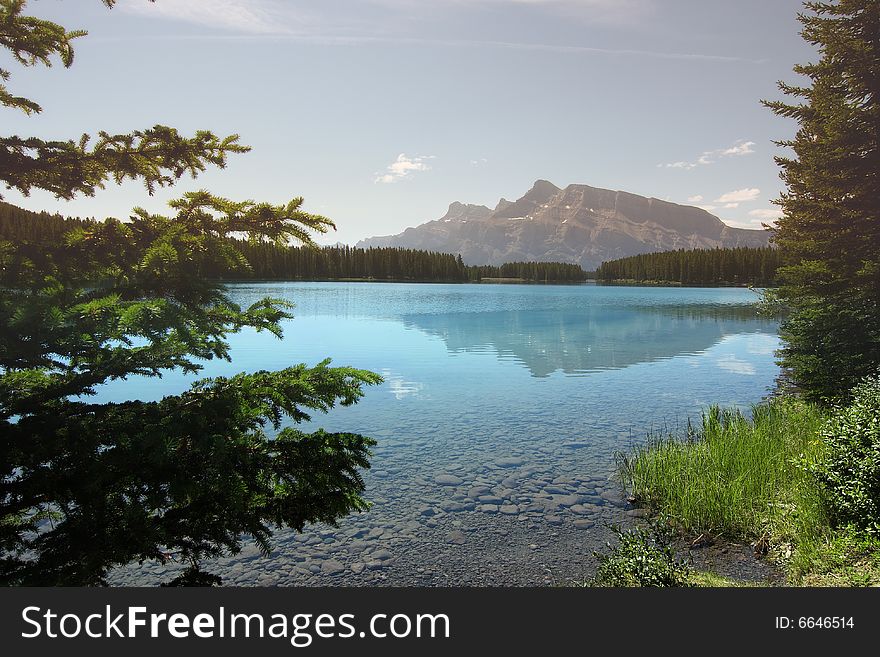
[502,281]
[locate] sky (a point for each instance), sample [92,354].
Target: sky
[380,113]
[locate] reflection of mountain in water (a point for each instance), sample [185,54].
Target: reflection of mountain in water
[590,339]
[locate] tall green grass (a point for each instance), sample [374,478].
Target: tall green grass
[735,476]
[755,479]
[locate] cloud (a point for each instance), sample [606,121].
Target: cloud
[677,165]
[766,214]
[695,199]
[403,167]
[480,162]
[731,206]
[681,164]
[739,196]
[761,217]
[399,22]
[238,15]
[740,148]
[281,17]
[750,224]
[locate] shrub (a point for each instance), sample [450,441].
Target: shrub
[642,558]
[848,468]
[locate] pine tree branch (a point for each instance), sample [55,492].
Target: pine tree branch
[158,156]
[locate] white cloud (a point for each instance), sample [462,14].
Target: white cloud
[731,206]
[739,196]
[750,224]
[678,165]
[695,199]
[741,147]
[283,17]
[761,217]
[766,214]
[353,22]
[479,163]
[403,167]
[239,15]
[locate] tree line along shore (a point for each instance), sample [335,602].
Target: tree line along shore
[271,261]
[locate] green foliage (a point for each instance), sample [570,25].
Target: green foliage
[641,558]
[271,261]
[17,225]
[733,475]
[85,487]
[274,260]
[282,262]
[751,481]
[557,272]
[737,266]
[846,556]
[829,234]
[31,41]
[848,468]
[158,156]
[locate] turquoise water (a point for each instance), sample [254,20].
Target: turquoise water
[524,391]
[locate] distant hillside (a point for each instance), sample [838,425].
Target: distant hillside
[579,224]
[741,265]
[18,224]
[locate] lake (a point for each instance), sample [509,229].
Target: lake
[498,422]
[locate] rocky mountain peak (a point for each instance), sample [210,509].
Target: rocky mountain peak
[579,224]
[465,211]
[541,191]
[503,203]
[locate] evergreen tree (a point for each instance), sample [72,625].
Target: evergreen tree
[268,260]
[86,486]
[737,266]
[829,234]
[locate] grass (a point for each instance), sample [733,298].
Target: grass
[743,479]
[733,473]
[713,580]
[843,557]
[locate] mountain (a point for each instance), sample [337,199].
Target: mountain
[579,224]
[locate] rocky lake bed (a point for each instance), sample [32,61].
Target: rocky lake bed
[513,524]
